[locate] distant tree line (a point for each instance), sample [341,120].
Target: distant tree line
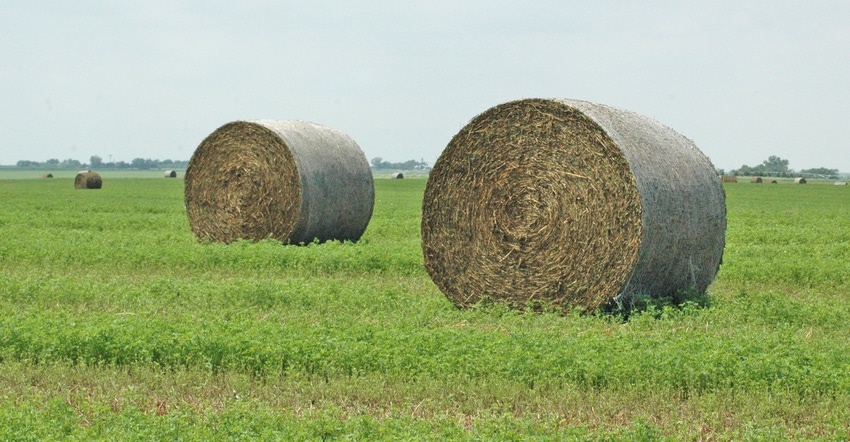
[776,166]
[379,163]
[96,162]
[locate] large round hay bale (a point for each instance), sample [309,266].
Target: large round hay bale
[171,174]
[47,175]
[729,179]
[756,180]
[800,180]
[398,176]
[88,180]
[294,181]
[569,203]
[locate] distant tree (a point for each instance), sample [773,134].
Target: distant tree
[70,164]
[407,165]
[821,171]
[379,163]
[745,170]
[776,166]
[97,162]
[142,163]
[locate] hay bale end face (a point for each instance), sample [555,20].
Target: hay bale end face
[799,180]
[88,180]
[756,180]
[171,174]
[569,203]
[729,179]
[294,181]
[398,176]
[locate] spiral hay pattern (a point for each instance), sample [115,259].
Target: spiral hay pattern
[569,203]
[294,181]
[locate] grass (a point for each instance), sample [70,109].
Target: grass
[117,324]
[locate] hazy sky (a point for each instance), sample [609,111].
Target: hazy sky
[124,80]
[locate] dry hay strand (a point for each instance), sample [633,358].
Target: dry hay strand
[799,180]
[293,181]
[756,179]
[47,175]
[171,174]
[87,179]
[566,203]
[729,179]
[398,176]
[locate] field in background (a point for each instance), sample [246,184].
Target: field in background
[115,323]
[22,174]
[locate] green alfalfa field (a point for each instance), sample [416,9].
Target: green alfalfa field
[116,324]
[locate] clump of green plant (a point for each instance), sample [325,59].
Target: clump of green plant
[626,306]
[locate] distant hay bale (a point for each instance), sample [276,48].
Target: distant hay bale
[398,176]
[840,183]
[569,203]
[800,180]
[88,180]
[171,174]
[47,175]
[294,181]
[756,179]
[773,181]
[729,179]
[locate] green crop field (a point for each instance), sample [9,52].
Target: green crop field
[116,324]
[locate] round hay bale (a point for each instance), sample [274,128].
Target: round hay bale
[398,176]
[294,181]
[47,175]
[773,182]
[756,179]
[568,203]
[88,180]
[171,174]
[800,180]
[840,183]
[729,179]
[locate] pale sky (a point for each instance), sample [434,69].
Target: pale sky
[122,80]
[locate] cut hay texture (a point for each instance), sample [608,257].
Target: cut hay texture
[799,180]
[756,180]
[563,203]
[398,176]
[294,181]
[729,179]
[171,174]
[87,179]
